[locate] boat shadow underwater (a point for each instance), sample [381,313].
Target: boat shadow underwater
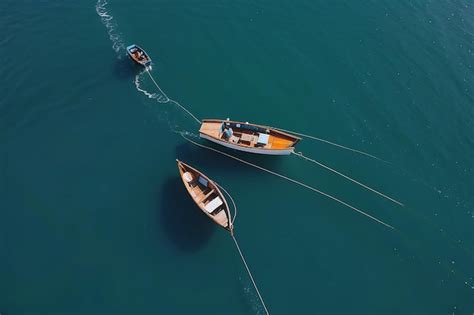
[182,222]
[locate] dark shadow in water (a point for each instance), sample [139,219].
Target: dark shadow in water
[125,69]
[181,219]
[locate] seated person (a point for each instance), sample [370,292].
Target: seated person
[228,132]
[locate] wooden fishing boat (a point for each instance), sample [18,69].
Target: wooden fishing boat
[206,195]
[139,56]
[248,137]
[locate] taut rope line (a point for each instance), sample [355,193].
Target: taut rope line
[238,248]
[300,154]
[168,100]
[332,143]
[157,86]
[250,274]
[293,181]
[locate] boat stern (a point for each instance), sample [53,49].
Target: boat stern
[211,128]
[147,64]
[130,47]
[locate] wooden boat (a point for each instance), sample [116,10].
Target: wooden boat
[248,137]
[206,195]
[139,56]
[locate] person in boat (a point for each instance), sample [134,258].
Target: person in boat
[227,132]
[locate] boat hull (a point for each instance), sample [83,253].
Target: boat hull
[146,64]
[227,225]
[249,149]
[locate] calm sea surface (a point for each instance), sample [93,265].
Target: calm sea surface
[94,218]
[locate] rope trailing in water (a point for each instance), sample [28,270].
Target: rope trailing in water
[332,143]
[172,101]
[233,237]
[250,274]
[168,100]
[293,181]
[156,84]
[232,200]
[300,154]
[238,248]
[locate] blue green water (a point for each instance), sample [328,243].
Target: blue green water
[93,215]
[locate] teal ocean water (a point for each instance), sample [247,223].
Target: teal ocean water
[94,218]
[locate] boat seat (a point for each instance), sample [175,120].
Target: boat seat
[203,181]
[188,177]
[234,139]
[205,196]
[263,138]
[246,137]
[213,205]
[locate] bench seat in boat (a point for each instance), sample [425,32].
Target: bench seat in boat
[214,204]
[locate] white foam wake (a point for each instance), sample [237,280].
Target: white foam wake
[110,25]
[118,45]
[160,98]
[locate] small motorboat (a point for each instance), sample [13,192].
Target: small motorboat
[248,137]
[206,195]
[139,56]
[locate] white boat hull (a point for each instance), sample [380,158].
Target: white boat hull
[250,150]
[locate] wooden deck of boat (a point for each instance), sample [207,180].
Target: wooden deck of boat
[201,194]
[212,129]
[197,192]
[279,143]
[221,218]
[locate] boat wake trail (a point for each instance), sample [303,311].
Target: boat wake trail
[159,97]
[162,98]
[168,100]
[110,25]
[119,47]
